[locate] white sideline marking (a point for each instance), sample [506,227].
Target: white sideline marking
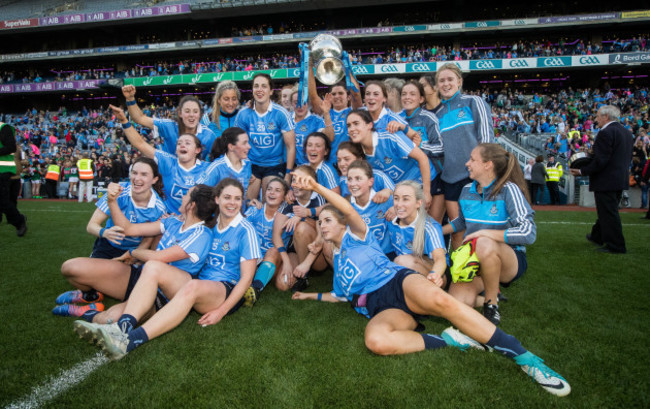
[591,223]
[56,385]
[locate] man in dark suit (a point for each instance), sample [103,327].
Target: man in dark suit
[608,177]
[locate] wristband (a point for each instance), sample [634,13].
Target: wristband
[131,252]
[288,171]
[130,103]
[319,297]
[101,232]
[282,249]
[313,211]
[126,125]
[406,129]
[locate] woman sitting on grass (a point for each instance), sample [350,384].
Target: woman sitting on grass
[416,238]
[494,210]
[217,291]
[394,297]
[182,247]
[141,202]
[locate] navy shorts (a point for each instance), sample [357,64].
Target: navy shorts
[104,249]
[136,272]
[391,295]
[436,186]
[260,172]
[229,286]
[522,266]
[452,190]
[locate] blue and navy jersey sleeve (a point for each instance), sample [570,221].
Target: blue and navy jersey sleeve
[211,175]
[432,144]
[482,120]
[521,215]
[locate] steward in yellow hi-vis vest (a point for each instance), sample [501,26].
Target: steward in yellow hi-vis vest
[7,172]
[554,171]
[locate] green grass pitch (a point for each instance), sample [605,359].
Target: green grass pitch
[584,312]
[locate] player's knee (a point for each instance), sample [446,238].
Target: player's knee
[69,268]
[303,231]
[485,248]
[377,342]
[152,268]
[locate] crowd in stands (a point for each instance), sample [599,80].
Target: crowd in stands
[567,118]
[392,55]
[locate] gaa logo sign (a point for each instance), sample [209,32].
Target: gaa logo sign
[518,63]
[420,67]
[359,69]
[484,65]
[553,62]
[389,68]
[589,60]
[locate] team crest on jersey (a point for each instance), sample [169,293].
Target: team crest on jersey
[303,128]
[380,214]
[271,126]
[388,160]
[461,114]
[409,245]
[226,246]
[493,210]
[343,253]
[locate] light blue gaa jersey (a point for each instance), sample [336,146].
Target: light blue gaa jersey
[374,214]
[153,211]
[265,133]
[386,116]
[236,243]
[381,182]
[508,211]
[391,155]
[167,130]
[360,267]
[225,121]
[339,121]
[264,226]
[311,123]
[401,237]
[327,175]
[195,241]
[426,124]
[177,180]
[222,168]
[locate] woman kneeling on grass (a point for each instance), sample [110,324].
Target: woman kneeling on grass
[494,210]
[394,297]
[218,291]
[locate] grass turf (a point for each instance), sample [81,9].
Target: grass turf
[582,311]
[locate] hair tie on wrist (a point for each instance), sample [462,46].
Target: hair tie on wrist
[130,103]
[282,249]
[313,211]
[320,297]
[101,231]
[126,125]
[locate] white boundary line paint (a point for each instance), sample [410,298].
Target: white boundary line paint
[56,385]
